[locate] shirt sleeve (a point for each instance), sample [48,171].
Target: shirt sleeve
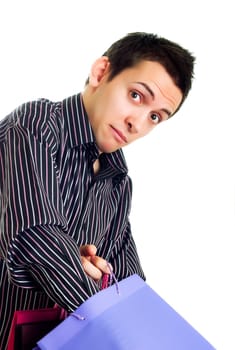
[33,224]
[45,256]
[124,257]
[30,191]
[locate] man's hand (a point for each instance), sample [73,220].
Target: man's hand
[93,265]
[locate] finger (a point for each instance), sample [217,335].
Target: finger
[88,250]
[101,264]
[90,269]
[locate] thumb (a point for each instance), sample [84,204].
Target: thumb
[88,250]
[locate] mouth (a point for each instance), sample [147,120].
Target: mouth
[118,135]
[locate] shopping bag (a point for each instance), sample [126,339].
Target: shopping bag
[130,316]
[28,326]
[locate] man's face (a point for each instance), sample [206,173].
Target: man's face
[131,105]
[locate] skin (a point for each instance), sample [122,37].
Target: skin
[121,111]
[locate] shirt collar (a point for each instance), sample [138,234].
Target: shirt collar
[80,133]
[75,116]
[114,165]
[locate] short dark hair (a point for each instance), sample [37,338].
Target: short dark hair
[135,47]
[138,46]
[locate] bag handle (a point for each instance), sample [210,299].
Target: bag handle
[108,278]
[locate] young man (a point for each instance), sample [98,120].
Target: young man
[65,195]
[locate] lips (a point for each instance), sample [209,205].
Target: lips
[119,135]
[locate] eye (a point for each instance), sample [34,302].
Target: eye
[135,96]
[155,118]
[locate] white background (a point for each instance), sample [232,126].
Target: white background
[183,215]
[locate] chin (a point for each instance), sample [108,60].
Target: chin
[107,148]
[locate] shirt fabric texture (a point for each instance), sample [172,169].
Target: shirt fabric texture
[52,202]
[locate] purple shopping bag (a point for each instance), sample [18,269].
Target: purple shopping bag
[134,317]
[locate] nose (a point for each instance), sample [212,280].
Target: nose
[135,124]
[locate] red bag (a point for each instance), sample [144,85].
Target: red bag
[28,326]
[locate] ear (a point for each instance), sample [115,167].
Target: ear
[98,70]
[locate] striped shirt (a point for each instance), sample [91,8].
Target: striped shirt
[52,202]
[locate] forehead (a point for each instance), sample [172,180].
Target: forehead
[157,78]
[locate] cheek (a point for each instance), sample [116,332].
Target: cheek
[116,102]
[147,130]
[116,110]
[110,103]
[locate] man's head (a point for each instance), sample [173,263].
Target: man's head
[140,81]
[135,47]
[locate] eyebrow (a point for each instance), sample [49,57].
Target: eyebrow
[150,91]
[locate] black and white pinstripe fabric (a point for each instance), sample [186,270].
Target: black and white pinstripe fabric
[51,203]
